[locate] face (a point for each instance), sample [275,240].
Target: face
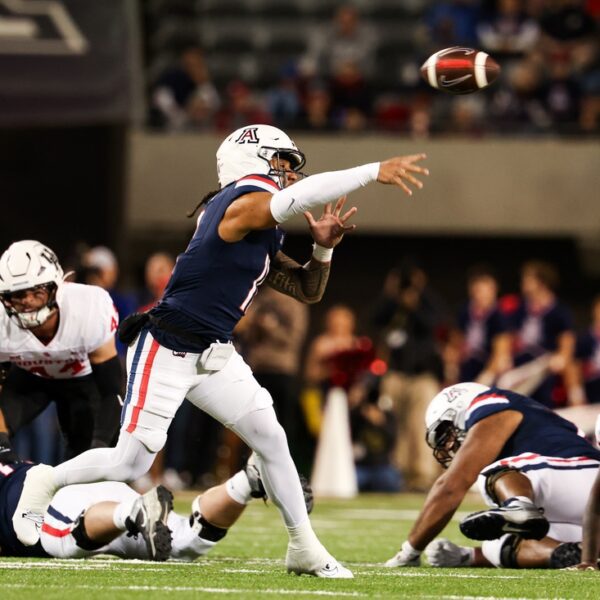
[30,300]
[483,291]
[340,321]
[284,166]
[158,272]
[530,284]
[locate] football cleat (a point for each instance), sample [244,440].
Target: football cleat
[514,516]
[315,562]
[565,555]
[148,518]
[258,489]
[38,491]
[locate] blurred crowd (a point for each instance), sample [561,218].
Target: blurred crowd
[390,364]
[347,76]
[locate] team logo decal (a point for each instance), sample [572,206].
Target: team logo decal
[248,136]
[454,393]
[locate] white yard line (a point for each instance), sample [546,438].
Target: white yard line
[167,588]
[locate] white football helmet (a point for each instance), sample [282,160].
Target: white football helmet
[445,419]
[248,151]
[28,265]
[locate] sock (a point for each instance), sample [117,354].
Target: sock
[303,535]
[519,498]
[122,511]
[238,488]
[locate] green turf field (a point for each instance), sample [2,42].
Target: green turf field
[248,563]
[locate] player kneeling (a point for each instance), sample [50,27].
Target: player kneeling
[533,469]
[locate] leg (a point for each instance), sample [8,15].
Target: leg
[233,397]
[75,401]
[158,381]
[511,491]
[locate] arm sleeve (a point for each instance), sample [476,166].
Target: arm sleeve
[304,283]
[318,190]
[108,376]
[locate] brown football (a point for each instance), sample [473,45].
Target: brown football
[459,70]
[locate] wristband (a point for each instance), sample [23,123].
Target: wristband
[321,253]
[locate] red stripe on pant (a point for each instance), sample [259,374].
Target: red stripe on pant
[143,387]
[55,532]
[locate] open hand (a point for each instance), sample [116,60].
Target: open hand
[400,169]
[329,230]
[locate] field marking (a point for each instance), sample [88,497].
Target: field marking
[379,514]
[168,588]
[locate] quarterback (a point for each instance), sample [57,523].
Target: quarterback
[533,468]
[59,341]
[182,348]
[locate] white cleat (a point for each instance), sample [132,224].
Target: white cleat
[38,491]
[317,564]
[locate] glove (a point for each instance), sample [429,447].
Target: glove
[443,553]
[7,454]
[407,557]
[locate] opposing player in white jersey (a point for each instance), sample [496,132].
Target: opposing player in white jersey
[184,350]
[58,339]
[534,469]
[111,518]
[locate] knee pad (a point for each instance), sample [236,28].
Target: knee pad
[210,532]
[492,477]
[81,537]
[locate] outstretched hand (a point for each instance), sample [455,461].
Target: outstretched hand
[399,170]
[329,230]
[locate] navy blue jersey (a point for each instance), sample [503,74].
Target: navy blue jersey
[479,331]
[538,332]
[541,433]
[12,477]
[588,352]
[214,282]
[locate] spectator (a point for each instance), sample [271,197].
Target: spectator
[316,115]
[241,108]
[508,32]
[283,100]
[101,268]
[347,41]
[351,97]
[588,355]
[373,427]
[561,96]
[184,95]
[453,23]
[272,335]
[338,337]
[156,274]
[543,326]
[518,106]
[484,339]
[407,315]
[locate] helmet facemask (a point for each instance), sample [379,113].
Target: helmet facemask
[278,173]
[445,439]
[31,319]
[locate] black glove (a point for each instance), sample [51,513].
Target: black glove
[7,454]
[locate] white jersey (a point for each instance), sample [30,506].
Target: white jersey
[88,319]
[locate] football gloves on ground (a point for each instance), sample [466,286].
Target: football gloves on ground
[444,553]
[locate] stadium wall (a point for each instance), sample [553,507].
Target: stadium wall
[496,186]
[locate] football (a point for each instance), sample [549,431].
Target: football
[459,70]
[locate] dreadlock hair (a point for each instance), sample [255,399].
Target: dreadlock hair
[204,200]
